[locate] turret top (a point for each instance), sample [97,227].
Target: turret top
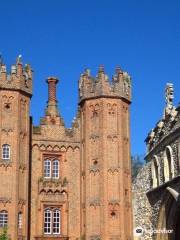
[92,87]
[19,78]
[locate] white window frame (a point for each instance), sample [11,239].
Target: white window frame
[54,221]
[20,220]
[47,170]
[3,218]
[6,152]
[48,211]
[55,169]
[57,221]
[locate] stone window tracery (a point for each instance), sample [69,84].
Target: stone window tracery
[3,218]
[6,152]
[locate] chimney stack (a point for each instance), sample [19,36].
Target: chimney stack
[52,81]
[52,101]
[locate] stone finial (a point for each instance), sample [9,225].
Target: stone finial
[19,65]
[28,71]
[87,72]
[118,70]
[13,69]
[19,59]
[169,97]
[101,69]
[3,69]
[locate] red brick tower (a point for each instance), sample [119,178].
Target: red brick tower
[105,157]
[15,94]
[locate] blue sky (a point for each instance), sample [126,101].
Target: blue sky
[61,38]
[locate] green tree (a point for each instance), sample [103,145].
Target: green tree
[137,164]
[3,235]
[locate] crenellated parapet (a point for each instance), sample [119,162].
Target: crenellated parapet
[19,77]
[101,86]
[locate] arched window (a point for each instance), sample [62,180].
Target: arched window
[56,221]
[168,164]
[155,172]
[52,221]
[20,220]
[3,218]
[47,221]
[55,169]
[47,168]
[6,152]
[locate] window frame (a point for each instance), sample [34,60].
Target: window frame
[168,171]
[3,218]
[53,220]
[20,220]
[6,152]
[47,210]
[54,167]
[44,168]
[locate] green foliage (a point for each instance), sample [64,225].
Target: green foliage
[4,236]
[137,164]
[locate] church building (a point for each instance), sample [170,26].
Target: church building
[156,190]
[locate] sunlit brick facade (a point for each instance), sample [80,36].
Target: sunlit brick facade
[65,183]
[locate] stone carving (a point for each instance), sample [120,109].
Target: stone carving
[51,186]
[169,95]
[7,103]
[94,110]
[5,201]
[112,137]
[19,59]
[3,69]
[112,109]
[152,203]
[7,131]
[22,167]
[6,164]
[21,203]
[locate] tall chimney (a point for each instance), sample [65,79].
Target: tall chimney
[52,109]
[52,81]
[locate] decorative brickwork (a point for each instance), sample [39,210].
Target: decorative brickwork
[66,183]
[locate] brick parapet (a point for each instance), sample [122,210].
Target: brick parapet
[19,78]
[100,86]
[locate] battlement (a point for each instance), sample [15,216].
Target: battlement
[99,86]
[19,78]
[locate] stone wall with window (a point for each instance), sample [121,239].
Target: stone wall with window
[161,170]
